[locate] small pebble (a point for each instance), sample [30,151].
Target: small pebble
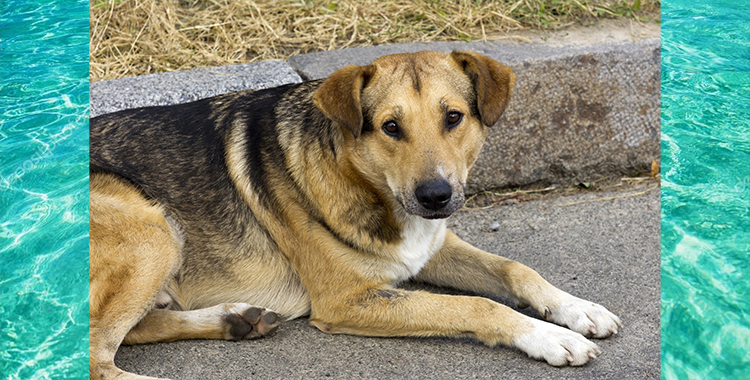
[494,226]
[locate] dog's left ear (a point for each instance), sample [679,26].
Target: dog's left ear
[493,83]
[339,96]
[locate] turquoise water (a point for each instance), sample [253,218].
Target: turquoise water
[705,189]
[705,147]
[43,189]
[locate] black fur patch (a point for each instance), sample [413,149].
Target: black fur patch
[388,293]
[411,70]
[381,294]
[263,152]
[338,237]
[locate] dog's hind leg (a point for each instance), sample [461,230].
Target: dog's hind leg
[231,321]
[133,253]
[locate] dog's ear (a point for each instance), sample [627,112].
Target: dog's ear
[493,83]
[339,96]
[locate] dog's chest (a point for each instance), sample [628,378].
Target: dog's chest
[421,239]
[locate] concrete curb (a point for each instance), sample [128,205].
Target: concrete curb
[578,113]
[186,86]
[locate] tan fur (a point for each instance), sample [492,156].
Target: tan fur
[133,251]
[334,231]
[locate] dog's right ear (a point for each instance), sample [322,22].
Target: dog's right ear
[339,96]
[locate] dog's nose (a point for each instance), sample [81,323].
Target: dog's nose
[434,195]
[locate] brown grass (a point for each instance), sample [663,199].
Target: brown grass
[135,37]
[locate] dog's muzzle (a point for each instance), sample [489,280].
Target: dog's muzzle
[435,199]
[434,195]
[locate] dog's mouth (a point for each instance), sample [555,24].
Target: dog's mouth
[436,216]
[430,214]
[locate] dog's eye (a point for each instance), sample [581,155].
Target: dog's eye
[452,119]
[391,128]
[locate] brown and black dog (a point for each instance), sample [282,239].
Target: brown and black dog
[219,218]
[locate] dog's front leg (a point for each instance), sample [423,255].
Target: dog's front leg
[384,311]
[460,265]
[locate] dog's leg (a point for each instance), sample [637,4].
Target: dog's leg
[462,266]
[231,321]
[133,252]
[384,311]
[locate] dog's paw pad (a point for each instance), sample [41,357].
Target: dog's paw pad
[251,323]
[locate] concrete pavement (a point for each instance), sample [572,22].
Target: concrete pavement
[604,251]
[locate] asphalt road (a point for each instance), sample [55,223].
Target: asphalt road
[603,250]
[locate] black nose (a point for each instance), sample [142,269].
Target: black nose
[434,194]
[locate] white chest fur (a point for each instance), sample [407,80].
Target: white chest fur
[421,239]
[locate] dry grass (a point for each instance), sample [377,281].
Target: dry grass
[134,37]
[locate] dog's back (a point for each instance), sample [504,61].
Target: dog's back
[177,157]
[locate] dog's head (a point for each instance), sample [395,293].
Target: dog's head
[414,123]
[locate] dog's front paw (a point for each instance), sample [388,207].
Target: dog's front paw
[585,317]
[243,321]
[556,345]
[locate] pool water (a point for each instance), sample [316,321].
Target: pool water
[43,189]
[44,182]
[705,148]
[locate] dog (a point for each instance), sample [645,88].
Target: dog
[220,218]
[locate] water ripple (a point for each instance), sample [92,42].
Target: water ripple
[44,189]
[705,190]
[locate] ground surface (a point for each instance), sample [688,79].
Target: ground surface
[606,251]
